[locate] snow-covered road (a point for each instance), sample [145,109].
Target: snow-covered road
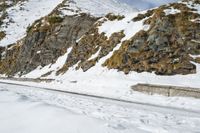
[29,109]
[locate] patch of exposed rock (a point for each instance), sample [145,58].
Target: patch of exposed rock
[165,48]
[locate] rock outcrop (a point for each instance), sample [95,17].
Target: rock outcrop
[166,47]
[44,43]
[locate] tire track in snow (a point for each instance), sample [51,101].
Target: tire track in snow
[144,106]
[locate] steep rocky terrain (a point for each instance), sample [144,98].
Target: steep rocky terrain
[164,40]
[166,47]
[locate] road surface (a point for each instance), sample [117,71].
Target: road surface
[31,109]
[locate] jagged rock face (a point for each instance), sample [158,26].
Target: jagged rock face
[44,44]
[165,48]
[88,46]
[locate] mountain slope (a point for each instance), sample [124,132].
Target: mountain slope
[21,14]
[147,4]
[123,49]
[97,8]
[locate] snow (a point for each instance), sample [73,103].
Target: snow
[197,20]
[95,55]
[97,7]
[25,13]
[195,56]
[111,83]
[22,15]
[191,5]
[100,81]
[20,114]
[147,4]
[29,109]
[126,25]
[38,52]
[171,11]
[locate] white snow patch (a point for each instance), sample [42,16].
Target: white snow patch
[191,5]
[38,52]
[197,20]
[95,55]
[126,25]
[171,11]
[147,4]
[195,56]
[22,15]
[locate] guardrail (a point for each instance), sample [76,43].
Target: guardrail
[38,80]
[169,91]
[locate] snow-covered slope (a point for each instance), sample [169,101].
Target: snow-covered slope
[97,7]
[147,4]
[22,15]
[25,13]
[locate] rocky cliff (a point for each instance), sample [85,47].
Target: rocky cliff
[164,40]
[166,47]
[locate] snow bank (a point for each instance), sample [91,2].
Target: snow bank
[171,11]
[33,110]
[21,114]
